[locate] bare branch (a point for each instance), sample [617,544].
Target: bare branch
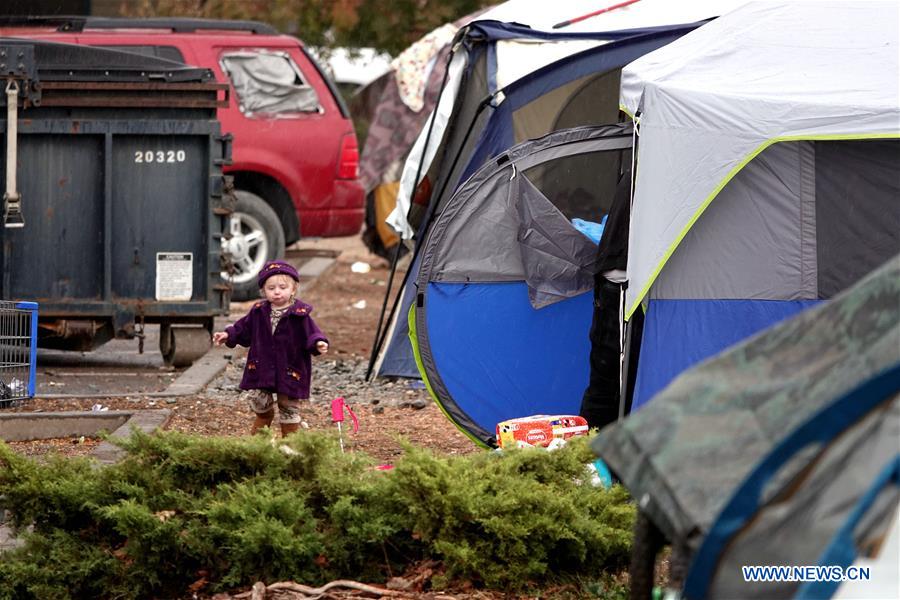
[343,583]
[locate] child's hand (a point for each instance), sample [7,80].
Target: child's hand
[322,347]
[220,337]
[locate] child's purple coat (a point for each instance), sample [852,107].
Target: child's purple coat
[281,363]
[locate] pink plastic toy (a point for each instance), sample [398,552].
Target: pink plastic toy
[337,416]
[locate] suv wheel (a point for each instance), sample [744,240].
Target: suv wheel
[256,237]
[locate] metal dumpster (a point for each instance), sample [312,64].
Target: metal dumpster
[114,204]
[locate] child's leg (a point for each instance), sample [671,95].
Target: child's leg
[289,414]
[262,404]
[262,420]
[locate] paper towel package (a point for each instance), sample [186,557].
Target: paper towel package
[539,430]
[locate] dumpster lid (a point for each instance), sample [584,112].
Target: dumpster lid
[71,62]
[76,23]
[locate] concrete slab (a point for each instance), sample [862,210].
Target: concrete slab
[315,266]
[142,420]
[21,427]
[199,374]
[189,382]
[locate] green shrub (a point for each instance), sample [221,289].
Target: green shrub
[61,565]
[510,518]
[59,493]
[179,508]
[257,530]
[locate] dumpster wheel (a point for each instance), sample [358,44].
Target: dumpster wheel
[182,345]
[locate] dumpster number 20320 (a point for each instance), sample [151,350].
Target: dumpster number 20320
[159,156]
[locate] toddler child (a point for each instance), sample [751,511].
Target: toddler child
[282,338]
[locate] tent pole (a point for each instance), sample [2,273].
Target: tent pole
[592,14]
[379,334]
[376,343]
[625,349]
[625,340]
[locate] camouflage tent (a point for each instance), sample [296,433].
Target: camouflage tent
[739,419]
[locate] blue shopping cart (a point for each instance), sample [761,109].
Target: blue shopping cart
[18,351]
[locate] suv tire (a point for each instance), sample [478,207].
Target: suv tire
[256,237]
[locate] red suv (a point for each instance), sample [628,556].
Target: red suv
[295,154]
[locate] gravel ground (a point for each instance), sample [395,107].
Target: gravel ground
[388,412]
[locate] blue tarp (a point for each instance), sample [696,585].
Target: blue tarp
[489,30]
[594,231]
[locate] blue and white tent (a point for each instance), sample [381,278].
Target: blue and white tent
[509,83]
[578,90]
[503,295]
[768,153]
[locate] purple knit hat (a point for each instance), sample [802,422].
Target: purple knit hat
[276,267]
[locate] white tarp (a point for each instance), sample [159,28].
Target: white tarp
[715,98]
[511,55]
[440,116]
[269,83]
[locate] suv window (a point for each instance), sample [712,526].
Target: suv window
[166,52]
[269,83]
